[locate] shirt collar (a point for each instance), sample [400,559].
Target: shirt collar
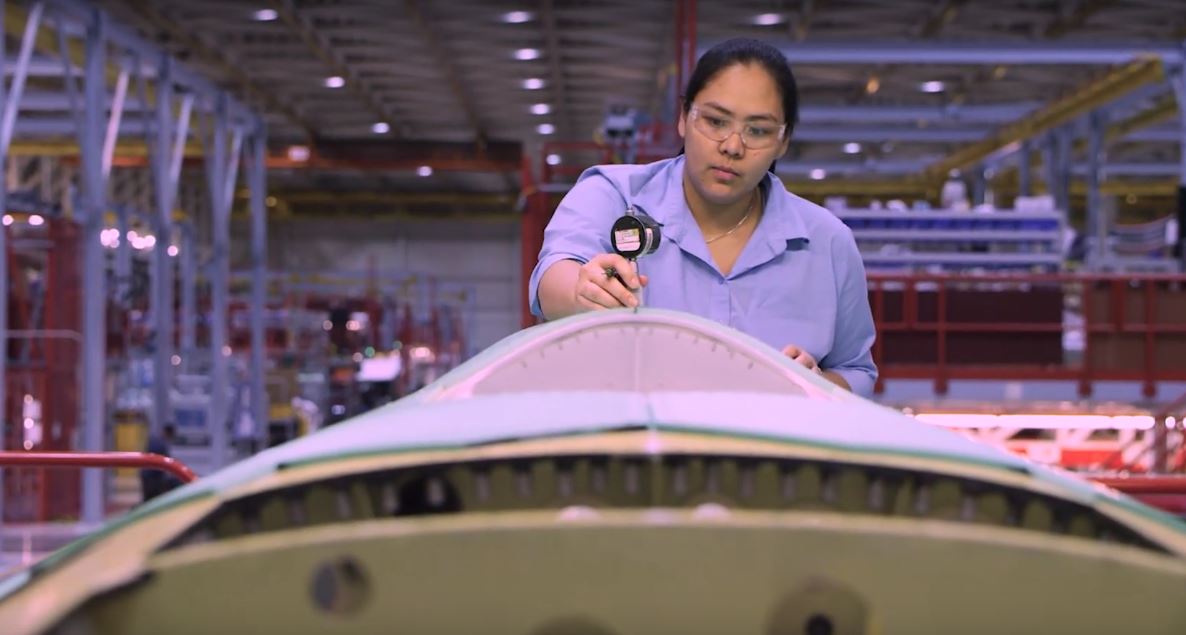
[662,197]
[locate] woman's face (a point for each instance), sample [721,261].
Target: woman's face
[740,97]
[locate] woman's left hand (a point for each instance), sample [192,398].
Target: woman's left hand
[801,356]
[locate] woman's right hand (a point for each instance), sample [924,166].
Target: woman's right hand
[599,288]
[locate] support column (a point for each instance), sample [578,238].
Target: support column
[257,185]
[94,291]
[979,184]
[168,149]
[1178,81]
[162,278]
[221,168]
[1063,173]
[1097,224]
[1024,171]
[4,102]
[189,294]
[10,103]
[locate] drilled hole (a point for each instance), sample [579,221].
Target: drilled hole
[340,586]
[818,625]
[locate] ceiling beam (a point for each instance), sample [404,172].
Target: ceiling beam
[445,64]
[547,14]
[1078,16]
[803,21]
[943,15]
[1010,52]
[1089,97]
[379,156]
[267,100]
[305,31]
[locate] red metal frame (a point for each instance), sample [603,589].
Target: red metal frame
[1115,323]
[143,460]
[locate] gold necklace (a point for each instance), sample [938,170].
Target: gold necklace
[736,227]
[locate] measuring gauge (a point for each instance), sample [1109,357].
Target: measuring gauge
[635,235]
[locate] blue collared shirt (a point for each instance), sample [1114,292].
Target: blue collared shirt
[799,280]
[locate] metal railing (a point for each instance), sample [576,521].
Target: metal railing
[1129,327]
[142,460]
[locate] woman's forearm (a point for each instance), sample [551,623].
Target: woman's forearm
[556,297]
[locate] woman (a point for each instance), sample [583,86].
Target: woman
[737,248]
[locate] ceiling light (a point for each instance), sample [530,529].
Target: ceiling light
[931,87]
[545,128]
[173,251]
[424,170]
[381,128]
[265,15]
[553,159]
[298,153]
[533,83]
[8,220]
[36,220]
[527,54]
[335,81]
[872,85]
[540,109]
[768,19]
[818,174]
[517,17]
[852,148]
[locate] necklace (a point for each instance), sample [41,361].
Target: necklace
[736,227]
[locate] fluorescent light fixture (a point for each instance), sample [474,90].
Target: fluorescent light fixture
[852,148]
[527,54]
[265,15]
[818,174]
[540,109]
[933,86]
[298,153]
[424,170]
[533,83]
[335,81]
[517,17]
[381,128]
[545,128]
[553,159]
[768,19]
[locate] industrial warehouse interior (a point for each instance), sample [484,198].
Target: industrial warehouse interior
[249,246]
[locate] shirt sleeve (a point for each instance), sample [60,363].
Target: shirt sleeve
[851,356]
[579,229]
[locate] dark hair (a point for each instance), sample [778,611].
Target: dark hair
[747,51]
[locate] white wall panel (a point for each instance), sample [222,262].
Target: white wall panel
[481,257]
